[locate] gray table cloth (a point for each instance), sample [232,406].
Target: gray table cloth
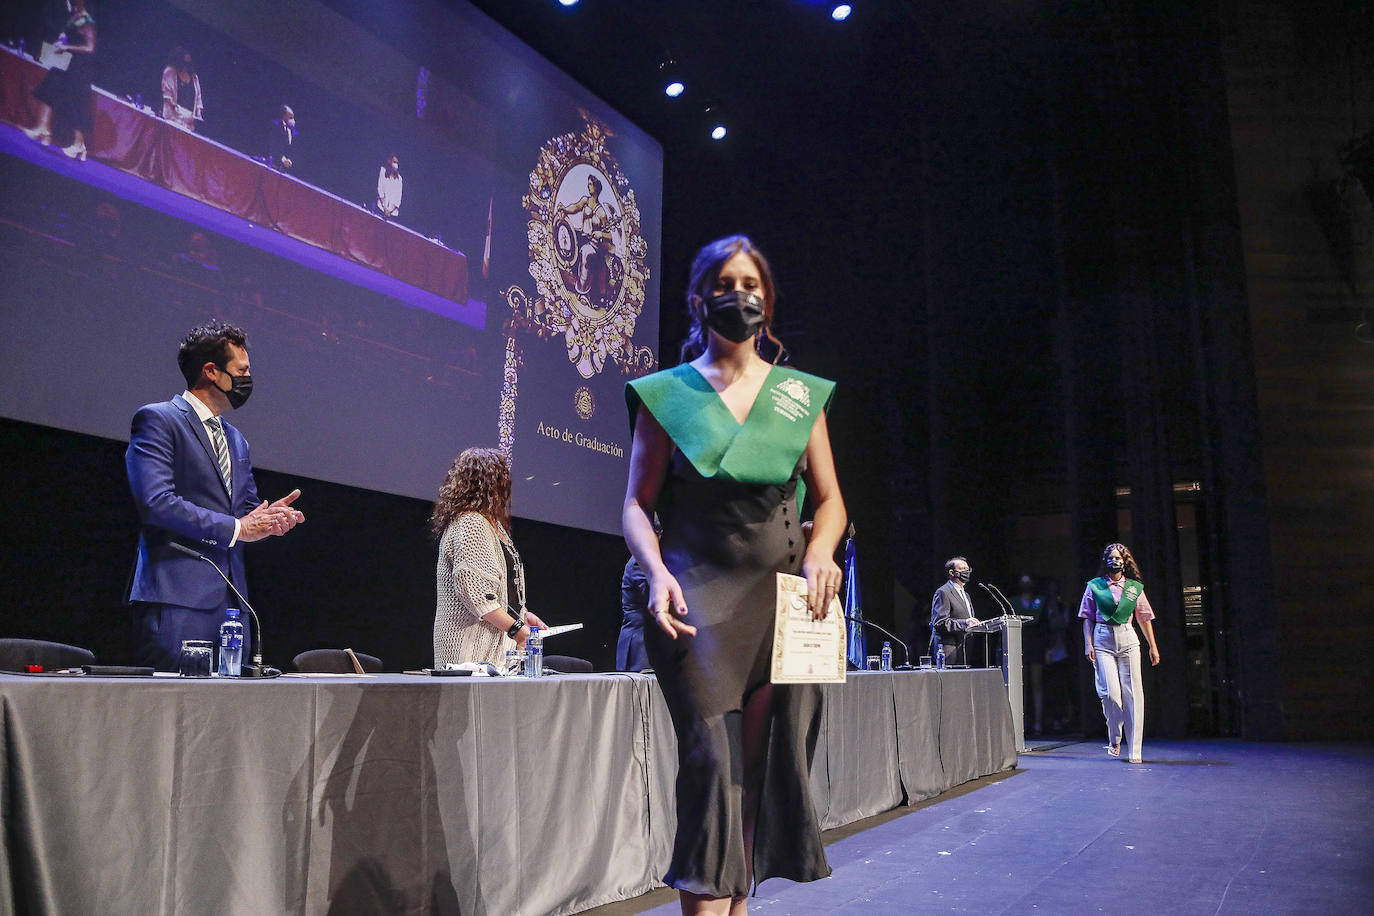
[403,794]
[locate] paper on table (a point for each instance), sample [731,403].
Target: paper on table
[560,630]
[806,651]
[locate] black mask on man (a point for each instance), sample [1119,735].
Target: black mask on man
[963,575]
[736,315]
[240,387]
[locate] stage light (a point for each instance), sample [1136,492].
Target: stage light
[841,12]
[670,76]
[718,132]
[567,2]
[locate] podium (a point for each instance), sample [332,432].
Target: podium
[1009,625]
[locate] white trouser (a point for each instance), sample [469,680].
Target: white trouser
[1118,685]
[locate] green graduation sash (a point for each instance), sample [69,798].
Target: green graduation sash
[763,449]
[1107,606]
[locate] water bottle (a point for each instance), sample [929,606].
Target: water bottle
[534,654]
[231,644]
[939,657]
[887,656]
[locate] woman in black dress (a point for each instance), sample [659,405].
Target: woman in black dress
[66,94]
[720,445]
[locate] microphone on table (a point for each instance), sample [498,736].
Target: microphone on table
[906,653]
[257,668]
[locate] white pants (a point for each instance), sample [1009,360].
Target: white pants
[1118,685]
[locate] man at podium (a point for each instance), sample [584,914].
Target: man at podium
[951,611]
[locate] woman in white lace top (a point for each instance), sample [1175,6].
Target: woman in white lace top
[481,583]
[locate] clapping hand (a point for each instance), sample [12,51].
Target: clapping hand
[293,516]
[270,519]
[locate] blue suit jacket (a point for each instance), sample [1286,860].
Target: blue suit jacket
[181,497]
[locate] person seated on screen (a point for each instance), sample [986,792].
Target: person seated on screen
[282,140]
[181,100]
[389,188]
[480,612]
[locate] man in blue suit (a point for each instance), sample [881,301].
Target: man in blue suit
[192,482]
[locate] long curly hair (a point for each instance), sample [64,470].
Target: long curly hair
[705,269]
[478,481]
[1129,567]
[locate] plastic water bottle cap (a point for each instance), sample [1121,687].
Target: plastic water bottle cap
[232,613]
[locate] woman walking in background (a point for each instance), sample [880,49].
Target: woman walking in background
[1109,603]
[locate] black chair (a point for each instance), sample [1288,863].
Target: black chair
[17,654]
[568,664]
[335,661]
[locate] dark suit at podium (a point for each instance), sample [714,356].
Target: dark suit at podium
[951,612]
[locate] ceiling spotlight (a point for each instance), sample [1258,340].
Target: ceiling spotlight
[718,132]
[670,76]
[841,12]
[567,2]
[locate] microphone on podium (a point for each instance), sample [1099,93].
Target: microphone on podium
[257,668]
[999,599]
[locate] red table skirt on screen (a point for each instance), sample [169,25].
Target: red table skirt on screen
[142,144]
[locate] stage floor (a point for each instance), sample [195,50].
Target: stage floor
[1223,827]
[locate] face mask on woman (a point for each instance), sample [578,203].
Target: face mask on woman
[736,315]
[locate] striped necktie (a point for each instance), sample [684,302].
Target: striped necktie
[221,448]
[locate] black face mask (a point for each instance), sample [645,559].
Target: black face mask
[1115,566]
[963,575]
[736,315]
[240,387]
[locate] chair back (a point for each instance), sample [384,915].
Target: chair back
[568,664]
[17,654]
[335,661]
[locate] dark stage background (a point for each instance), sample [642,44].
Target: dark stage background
[1063,260]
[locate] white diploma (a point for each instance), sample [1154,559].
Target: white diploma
[806,651]
[53,59]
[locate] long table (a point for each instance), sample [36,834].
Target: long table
[403,794]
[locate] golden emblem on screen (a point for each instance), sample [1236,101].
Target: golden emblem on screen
[583,402]
[587,255]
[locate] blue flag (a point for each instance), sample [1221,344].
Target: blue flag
[857,648]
